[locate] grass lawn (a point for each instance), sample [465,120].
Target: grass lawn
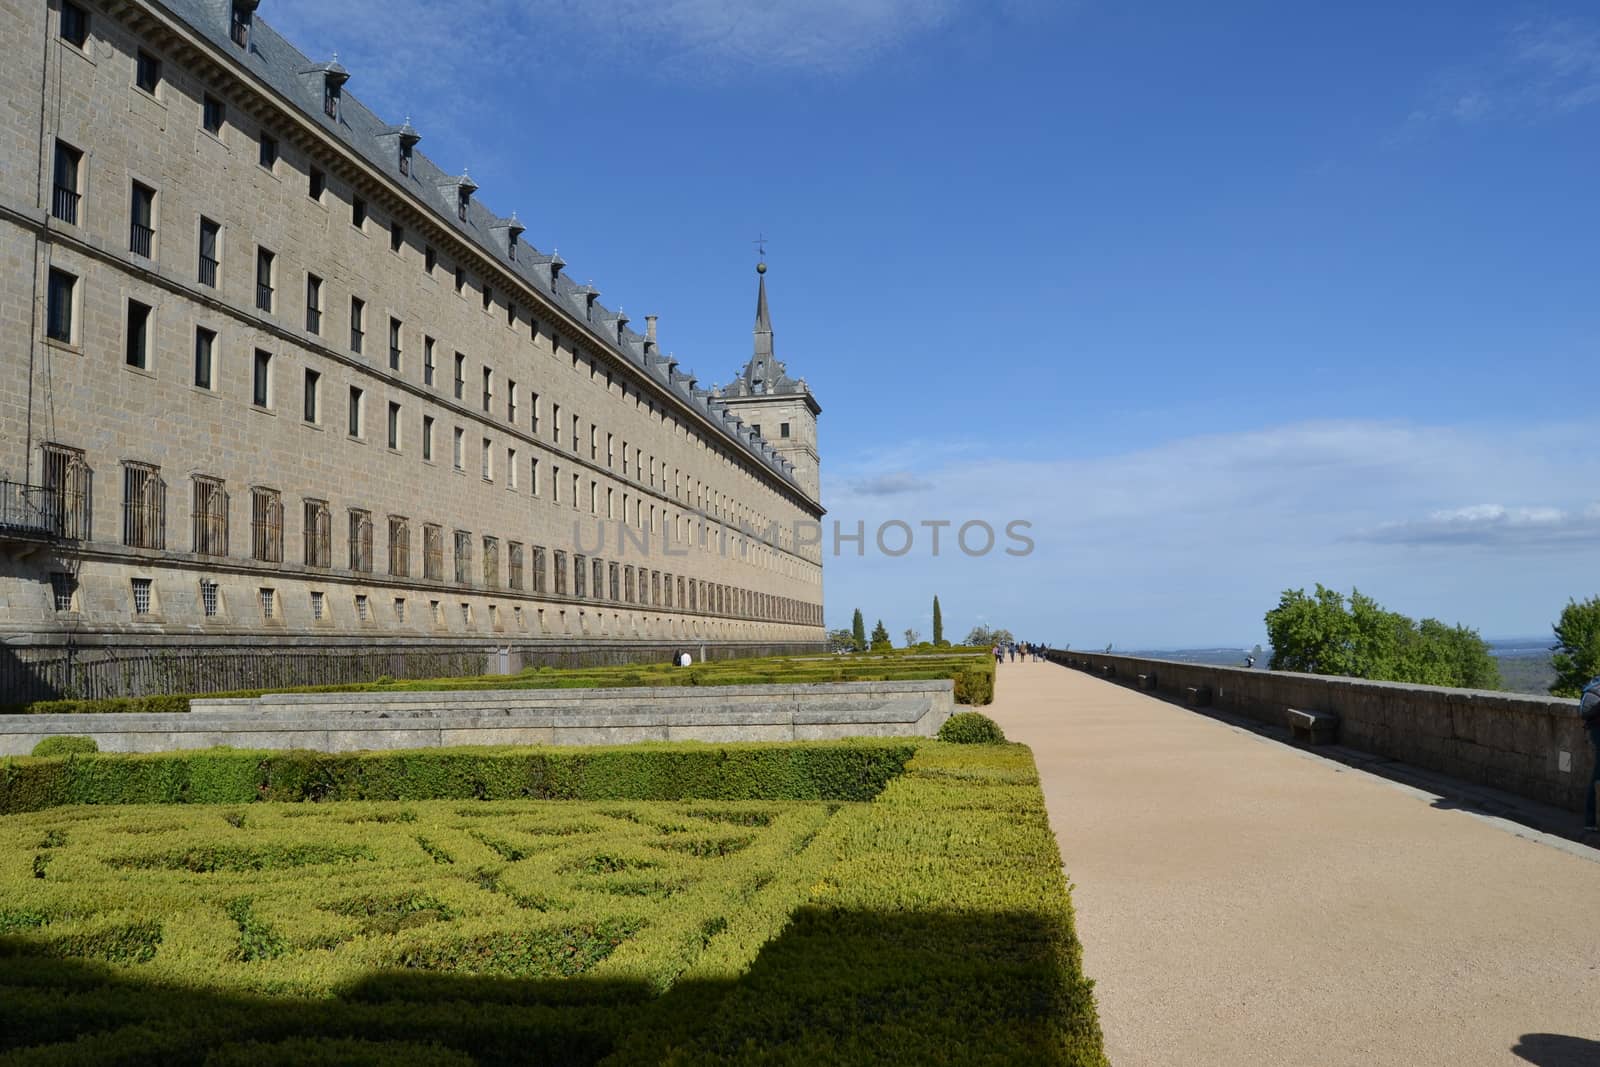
[928,925]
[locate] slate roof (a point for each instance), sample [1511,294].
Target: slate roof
[764,374]
[300,80]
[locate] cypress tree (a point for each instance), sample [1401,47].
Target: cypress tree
[938,625]
[858,630]
[880,638]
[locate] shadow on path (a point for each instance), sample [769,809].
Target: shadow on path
[1557,1050]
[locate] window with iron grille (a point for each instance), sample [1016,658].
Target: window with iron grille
[210,516]
[213,113]
[319,604]
[627,584]
[358,323]
[666,590]
[318,534]
[266,525]
[142,599]
[399,546]
[144,506]
[136,345]
[62,296]
[210,237]
[68,165]
[205,347]
[68,482]
[269,603]
[433,552]
[538,569]
[239,25]
[363,608]
[561,573]
[394,344]
[360,540]
[466,614]
[580,576]
[491,562]
[399,609]
[514,565]
[264,292]
[64,591]
[516,613]
[210,601]
[615,577]
[74,24]
[313,304]
[142,220]
[463,557]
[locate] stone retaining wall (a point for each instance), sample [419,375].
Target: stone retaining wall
[1532,746]
[344,722]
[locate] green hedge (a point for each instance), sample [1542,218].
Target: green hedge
[66,745]
[971,728]
[856,769]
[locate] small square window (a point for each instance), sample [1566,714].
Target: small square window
[783,429]
[268,155]
[64,591]
[461,278]
[147,72]
[213,113]
[317,184]
[397,237]
[143,602]
[430,259]
[74,24]
[358,213]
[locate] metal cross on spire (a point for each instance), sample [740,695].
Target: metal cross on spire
[761,246]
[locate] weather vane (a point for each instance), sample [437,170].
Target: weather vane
[761,246]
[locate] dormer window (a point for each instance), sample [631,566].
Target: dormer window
[463,197]
[239,27]
[405,158]
[330,98]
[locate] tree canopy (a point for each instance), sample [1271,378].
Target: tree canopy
[858,630]
[1576,655]
[1320,633]
[880,638]
[938,625]
[983,636]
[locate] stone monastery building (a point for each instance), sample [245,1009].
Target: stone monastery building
[282,400]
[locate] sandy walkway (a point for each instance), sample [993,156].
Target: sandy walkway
[1243,903]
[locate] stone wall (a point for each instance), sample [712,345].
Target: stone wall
[344,722]
[1532,746]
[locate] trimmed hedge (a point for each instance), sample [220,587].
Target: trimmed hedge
[973,676]
[66,745]
[855,769]
[971,728]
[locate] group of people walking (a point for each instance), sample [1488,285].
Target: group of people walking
[1019,648]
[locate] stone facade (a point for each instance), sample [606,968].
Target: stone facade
[269,377]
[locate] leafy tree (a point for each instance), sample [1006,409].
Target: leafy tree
[984,637]
[841,640]
[1576,653]
[1320,633]
[938,625]
[880,638]
[858,631]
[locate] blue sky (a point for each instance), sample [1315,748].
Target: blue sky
[1222,298]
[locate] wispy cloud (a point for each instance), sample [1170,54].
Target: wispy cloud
[895,484]
[1493,525]
[1538,68]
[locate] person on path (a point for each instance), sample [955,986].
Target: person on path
[1589,708]
[999,655]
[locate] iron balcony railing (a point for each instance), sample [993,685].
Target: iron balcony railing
[31,510]
[65,204]
[141,239]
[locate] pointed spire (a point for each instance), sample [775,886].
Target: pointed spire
[758,373]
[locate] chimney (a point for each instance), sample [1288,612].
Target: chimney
[650,328]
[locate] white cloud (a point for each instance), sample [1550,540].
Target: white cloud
[1538,68]
[1494,525]
[893,484]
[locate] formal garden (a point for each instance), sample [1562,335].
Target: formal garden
[865,901]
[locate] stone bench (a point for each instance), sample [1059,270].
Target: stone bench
[1313,727]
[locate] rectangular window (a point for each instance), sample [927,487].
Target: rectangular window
[491,562]
[313,395]
[358,213]
[533,476]
[464,557]
[64,202]
[267,155]
[144,506]
[538,569]
[74,24]
[561,573]
[358,323]
[141,596]
[405,157]
[511,402]
[261,380]
[205,348]
[511,468]
[363,608]
[136,346]
[360,540]
[318,534]
[63,288]
[316,184]
[432,552]
[264,260]
[511,313]
[319,604]
[580,576]
[394,425]
[430,259]
[210,516]
[210,234]
[427,437]
[269,603]
[330,98]
[266,525]
[514,565]
[394,344]
[458,456]
[488,387]
[210,600]
[313,304]
[533,403]
[239,28]
[397,236]
[147,71]
[555,424]
[427,360]
[461,375]
[142,220]
[488,460]
[356,404]
[212,114]
[399,546]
